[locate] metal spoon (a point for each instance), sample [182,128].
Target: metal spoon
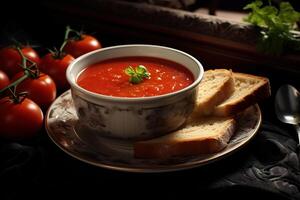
[287,106]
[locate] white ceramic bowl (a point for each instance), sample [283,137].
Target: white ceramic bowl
[134,118]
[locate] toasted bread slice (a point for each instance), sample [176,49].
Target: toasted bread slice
[198,136]
[249,89]
[217,85]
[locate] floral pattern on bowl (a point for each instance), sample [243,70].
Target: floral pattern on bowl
[141,121]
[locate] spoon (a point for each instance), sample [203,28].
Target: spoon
[287,106]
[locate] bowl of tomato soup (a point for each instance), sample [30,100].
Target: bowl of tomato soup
[134,91]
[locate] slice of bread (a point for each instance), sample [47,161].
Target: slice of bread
[249,89]
[216,86]
[222,98]
[198,136]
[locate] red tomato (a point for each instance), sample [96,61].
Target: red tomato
[82,46]
[10,59]
[4,80]
[19,120]
[56,68]
[41,90]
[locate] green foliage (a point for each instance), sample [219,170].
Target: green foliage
[276,25]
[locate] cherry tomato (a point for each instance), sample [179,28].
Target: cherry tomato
[41,90]
[56,68]
[10,59]
[82,46]
[4,80]
[19,120]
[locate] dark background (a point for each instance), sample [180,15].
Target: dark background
[32,21]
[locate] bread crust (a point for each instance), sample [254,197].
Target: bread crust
[207,105]
[186,147]
[260,92]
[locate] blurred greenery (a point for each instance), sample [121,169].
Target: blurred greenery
[277,26]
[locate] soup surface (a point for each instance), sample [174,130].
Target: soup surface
[109,78]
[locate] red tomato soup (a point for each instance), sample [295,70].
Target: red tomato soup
[108,77]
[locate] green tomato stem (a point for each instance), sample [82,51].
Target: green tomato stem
[33,70]
[24,59]
[30,71]
[14,84]
[67,38]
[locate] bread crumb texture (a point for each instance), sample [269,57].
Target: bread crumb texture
[211,83]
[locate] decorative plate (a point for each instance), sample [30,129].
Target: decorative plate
[73,138]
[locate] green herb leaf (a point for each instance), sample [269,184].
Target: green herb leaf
[135,79]
[276,25]
[130,71]
[138,74]
[142,71]
[288,15]
[254,5]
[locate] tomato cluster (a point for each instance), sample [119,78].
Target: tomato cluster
[29,84]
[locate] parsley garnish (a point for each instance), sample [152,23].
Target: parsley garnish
[138,74]
[276,25]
